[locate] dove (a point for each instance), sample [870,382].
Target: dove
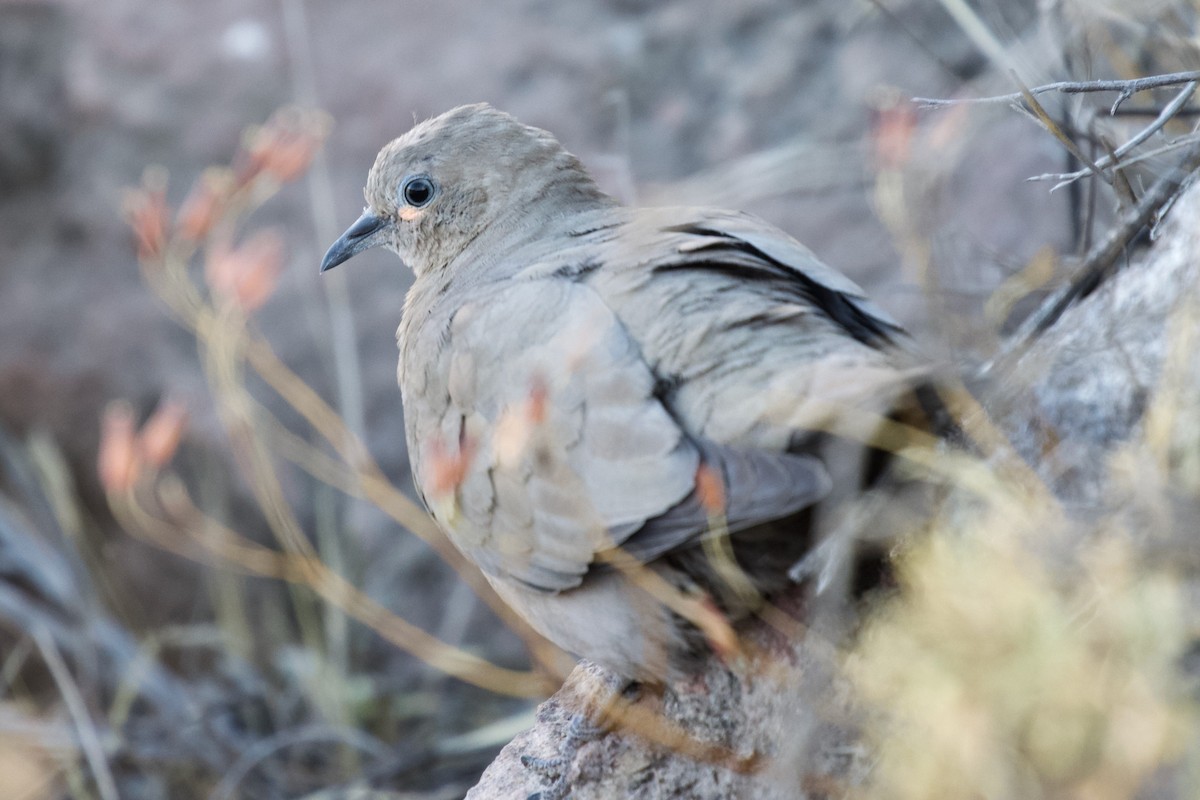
[600,400]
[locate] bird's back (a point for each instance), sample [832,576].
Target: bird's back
[752,339]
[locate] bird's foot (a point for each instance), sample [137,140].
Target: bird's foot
[554,770]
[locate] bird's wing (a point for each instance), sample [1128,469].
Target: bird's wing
[564,448]
[762,252]
[759,342]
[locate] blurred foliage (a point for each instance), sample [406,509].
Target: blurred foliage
[998,676]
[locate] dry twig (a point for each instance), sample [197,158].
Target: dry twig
[1104,260]
[1126,89]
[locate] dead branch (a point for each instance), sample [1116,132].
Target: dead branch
[1169,112]
[1104,260]
[1126,88]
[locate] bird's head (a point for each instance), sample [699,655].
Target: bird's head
[452,178]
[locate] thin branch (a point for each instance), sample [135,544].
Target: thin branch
[1120,178]
[1047,122]
[1173,145]
[1127,88]
[1166,115]
[1104,259]
[1154,111]
[232,550]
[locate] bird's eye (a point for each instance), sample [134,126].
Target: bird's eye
[418,191]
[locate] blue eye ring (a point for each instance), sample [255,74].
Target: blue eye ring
[418,191]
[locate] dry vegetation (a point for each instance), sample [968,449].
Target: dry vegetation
[1035,646]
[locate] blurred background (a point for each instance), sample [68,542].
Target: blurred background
[128,671]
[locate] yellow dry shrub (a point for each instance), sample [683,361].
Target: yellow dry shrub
[1004,671]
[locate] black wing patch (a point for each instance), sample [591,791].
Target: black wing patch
[837,306]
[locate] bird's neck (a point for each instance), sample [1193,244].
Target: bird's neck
[534,217]
[524,216]
[530,233]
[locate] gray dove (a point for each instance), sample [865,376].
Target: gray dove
[569,368]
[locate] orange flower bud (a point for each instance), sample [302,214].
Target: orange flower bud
[284,147]
[246,276]
[118,463]
[204,204]
[895,122]
[291,156]
[539,395]
[147,214]
[161,434]
[449,469]
[710,489]
[249,161]
[299,135]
